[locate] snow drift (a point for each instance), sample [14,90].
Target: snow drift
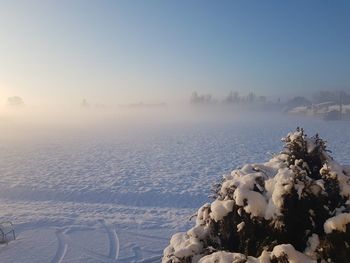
[293,208]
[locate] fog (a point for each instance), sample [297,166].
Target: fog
[21,118]
[36,121]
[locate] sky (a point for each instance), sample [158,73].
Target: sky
[120,52]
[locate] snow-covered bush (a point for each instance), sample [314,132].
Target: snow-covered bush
[293,208]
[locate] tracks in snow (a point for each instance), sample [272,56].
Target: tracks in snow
[114,244]
[62,247]
[113,248]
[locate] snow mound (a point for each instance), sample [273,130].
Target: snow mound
[293,208]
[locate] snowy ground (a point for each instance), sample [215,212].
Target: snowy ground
[118,196]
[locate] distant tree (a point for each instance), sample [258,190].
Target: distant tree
[262,99]
[232,98]
[201,99]
[100,106]
[194,98]
[251,97]
[85,104]
[325,96]
[15,101]
[332,96]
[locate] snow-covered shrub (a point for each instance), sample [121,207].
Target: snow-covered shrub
[293,208]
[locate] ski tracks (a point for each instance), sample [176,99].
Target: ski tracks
[114,244]
[113,248]
[62,247]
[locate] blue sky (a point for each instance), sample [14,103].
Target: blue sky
[152,51]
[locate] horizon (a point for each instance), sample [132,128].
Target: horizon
[124,52]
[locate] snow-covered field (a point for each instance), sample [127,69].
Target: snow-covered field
[119,195]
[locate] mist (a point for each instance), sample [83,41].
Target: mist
[35,121]
[198,107]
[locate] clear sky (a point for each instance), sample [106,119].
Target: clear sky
[154,51]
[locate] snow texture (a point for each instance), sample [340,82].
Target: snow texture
[121,195]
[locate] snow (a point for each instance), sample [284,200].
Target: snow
[313,243]
[337,171]
[319,109]
[223,257]
[227,257]
[256,202]
[276,187]
[219,209]
[240,226]
[279,251]
[337,223]
[185,245]
[87,198]
[293,255]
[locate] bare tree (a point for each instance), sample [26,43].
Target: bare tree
[15,101]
